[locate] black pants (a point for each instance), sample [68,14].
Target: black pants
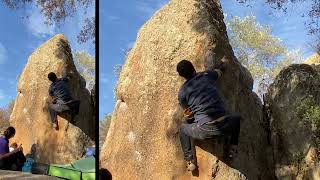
[57,108]
[16,159]
[231,126]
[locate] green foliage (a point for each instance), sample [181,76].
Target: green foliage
[309,111]
[103,129]
[86,67]
[258,50]
[250,34]
[312,24]
[298,158]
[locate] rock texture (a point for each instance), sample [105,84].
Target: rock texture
[294,147]
[30,115]
[142,142]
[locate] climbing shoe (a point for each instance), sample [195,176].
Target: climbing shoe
[191,166]
[54,125]
[233,149]
[230,153]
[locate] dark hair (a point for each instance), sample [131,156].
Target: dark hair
[104,174]
[185,69]
[52,76]
[9,132]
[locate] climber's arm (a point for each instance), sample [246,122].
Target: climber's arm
[66,76]
[211,65]
[221,67]
[51,94]
[182,100]
[187,112]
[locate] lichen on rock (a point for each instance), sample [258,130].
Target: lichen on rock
[294,100]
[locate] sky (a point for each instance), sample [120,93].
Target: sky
[121,20]
[20,36]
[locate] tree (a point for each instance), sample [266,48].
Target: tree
[5,113]
[88,31]
[103,129]
[85,64]
[57,11]
[313,13]
[258,50]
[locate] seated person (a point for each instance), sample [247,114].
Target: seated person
[10,160]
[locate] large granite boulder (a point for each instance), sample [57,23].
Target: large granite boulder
[293,109]
[30,115]
[143,141]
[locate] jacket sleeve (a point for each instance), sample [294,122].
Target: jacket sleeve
[213,74]
[65,76]
[182,100]
[50,90]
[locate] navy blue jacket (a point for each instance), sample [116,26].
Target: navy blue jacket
[59,90]
[201,95]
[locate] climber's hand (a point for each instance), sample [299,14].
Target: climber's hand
[54,100]
[189,120]
[222,66]
[224,59]
[187,112]
[209,54]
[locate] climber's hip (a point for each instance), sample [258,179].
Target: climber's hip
[58,107]
[211,129]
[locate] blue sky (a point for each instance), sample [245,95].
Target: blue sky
[121,20]
[20,36]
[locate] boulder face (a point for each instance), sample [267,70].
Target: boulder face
[143,140]
[30,115]
[293,108]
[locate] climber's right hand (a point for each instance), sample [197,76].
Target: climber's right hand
[54,100]
[222,65]
[188,113]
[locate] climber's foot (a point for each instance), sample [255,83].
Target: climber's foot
[230,152]
[191,166]
[233,151]
[55,126]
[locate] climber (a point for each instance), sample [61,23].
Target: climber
[203,107]
[10,160]
[62,102]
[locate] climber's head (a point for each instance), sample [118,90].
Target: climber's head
[9,132]
[52,77]
[186,69]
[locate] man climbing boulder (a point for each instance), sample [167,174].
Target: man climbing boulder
[62,102]
[203,108]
